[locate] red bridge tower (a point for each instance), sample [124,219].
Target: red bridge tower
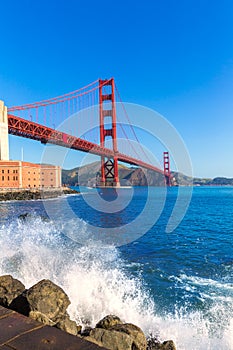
[166,167]
[107,109]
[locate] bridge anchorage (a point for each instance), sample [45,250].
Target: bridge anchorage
[37,121]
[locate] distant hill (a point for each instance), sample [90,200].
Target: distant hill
[133,176]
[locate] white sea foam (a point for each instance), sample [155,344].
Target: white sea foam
[98,283]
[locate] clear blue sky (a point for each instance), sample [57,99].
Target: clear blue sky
[173,56]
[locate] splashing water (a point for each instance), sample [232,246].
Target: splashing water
[98,282]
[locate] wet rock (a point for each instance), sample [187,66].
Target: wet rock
[26,216]
[86,332]
[10,288]
[154,344]
[67,325]
[108,321]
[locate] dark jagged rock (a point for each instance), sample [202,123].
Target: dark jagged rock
[10,288]
[8,195]
[86,331]
[108,321]
[26,216]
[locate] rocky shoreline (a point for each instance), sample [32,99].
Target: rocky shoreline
[47,303]
[9,195]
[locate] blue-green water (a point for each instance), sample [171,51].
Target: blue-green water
[176,285]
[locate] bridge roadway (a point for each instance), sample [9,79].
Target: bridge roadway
[29,129]
[19,332]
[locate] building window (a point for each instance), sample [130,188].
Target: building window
[28,179]
[2,171]
[2,178]
[13,178]
[8,178]
[16,171]
[8,171]
[16,178]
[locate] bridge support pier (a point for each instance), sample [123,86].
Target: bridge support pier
[4,141]
[107,110]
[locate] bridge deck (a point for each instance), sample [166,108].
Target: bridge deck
[22,333]
[25,128]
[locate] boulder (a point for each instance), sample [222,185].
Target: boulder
[45,300]
[49,299]
[67,325]
[108,321]
[135,333]
[119,336]
[112,340]
[154,344]
[10,288]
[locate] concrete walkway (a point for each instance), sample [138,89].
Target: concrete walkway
[18,332]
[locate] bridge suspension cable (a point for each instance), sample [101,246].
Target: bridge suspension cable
[131,127]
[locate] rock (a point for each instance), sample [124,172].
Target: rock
[108,321]
[86,332]
[67,325]
[93,340]
[38,316]
[135,333]
[23,216]
[46,298]
[49,299]
[26,216]
[155,345]
[112,340]
[10,288]
[119,336]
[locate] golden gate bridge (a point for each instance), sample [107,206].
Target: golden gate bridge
[38,121]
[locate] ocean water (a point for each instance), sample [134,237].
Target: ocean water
[115,256]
